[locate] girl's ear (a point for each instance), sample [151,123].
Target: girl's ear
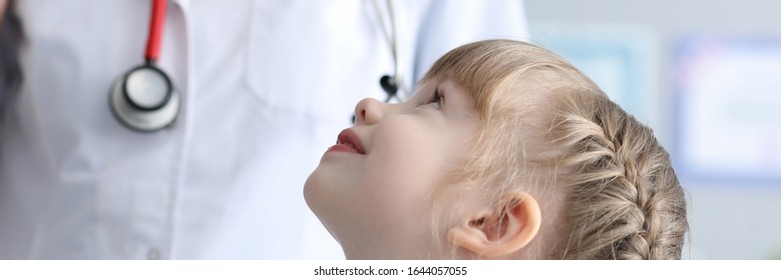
[501,232]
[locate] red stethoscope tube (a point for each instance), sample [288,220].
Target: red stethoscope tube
[156,30]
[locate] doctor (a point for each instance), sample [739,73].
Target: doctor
[260,88]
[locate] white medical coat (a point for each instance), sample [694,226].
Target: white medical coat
[266,86]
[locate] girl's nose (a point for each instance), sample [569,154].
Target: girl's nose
[370,111]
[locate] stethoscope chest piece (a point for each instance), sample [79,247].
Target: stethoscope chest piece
[144,99]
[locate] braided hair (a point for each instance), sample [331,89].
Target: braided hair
[625,201]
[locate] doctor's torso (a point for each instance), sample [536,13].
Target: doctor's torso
[265,87]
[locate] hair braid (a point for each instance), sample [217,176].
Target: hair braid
[623,187]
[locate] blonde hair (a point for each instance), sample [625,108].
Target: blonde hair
[608,187]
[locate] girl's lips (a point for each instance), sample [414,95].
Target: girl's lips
[348,141]
[342,148]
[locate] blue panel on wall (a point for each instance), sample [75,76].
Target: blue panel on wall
[727,117]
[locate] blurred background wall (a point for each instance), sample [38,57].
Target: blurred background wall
[706,76]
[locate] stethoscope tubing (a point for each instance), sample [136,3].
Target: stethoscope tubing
[155,30]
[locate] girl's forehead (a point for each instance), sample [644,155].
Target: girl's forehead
[426,84]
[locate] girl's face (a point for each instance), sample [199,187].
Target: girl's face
[373,189]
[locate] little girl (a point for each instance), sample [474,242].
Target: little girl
[506,151]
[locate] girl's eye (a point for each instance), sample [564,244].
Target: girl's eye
[435,101]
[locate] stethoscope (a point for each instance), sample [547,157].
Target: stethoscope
[144,98]
[390,84]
